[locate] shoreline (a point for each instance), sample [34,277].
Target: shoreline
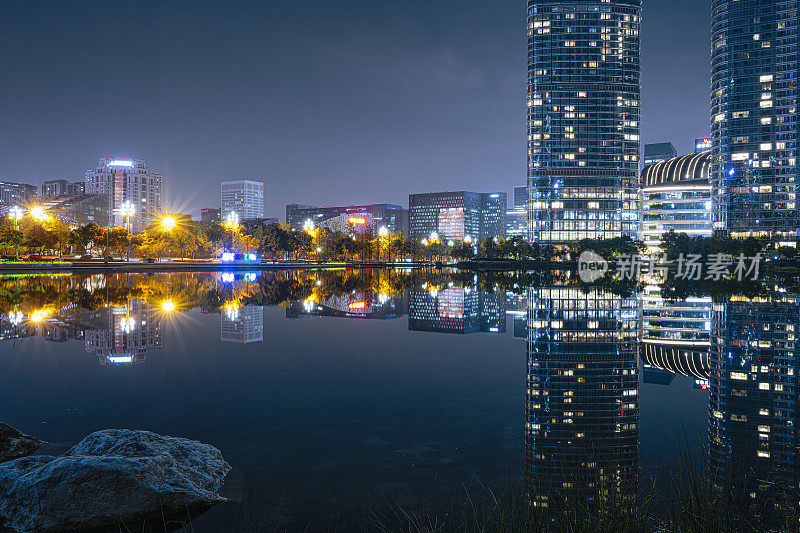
[190,266]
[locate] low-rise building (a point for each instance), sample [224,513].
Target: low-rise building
[676,195]
[375,218]
[458,215]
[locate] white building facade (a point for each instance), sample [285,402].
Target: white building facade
[243,197]
[127,180]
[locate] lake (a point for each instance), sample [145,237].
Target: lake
[333,391]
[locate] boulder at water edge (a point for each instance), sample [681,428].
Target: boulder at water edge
[14,444]
[111,477]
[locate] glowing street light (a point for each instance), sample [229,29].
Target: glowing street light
[37,317]
[15,317]
[168,223]
[468,239]
[38,213]
[168,306]
[434,236]
[383,231]
[127,210]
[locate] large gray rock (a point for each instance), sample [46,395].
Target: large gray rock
[111,477]
[14,444]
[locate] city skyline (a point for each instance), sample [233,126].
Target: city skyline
[457,144]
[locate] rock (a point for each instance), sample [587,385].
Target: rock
[14,444]
[110,478]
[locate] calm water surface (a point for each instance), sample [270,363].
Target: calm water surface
[324,390]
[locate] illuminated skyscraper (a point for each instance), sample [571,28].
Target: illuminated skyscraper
[583,118]
[754,132]
[582,409]
[127,180]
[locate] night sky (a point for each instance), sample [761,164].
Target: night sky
[354,101]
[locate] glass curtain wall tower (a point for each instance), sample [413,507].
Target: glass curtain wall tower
[583,118]
[754,69]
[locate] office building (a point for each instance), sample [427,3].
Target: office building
[352,219]
[243,197]
[582,401]
[457,216]
[55,188]
[78,209]
[676,195]
[131,180]
[754,129]
[517,223]
[210,215]
[520,197]
[12,193]
[583,118]
[658,152]
[754,449]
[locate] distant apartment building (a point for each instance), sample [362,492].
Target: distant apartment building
[55,188]
[131,180]
[458,216]
[676,196]
[658,152]
[375,218]
[210,215]
[12,194]
[78,209]
[243,197]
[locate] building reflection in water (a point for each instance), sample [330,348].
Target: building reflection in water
[753,411]
[242,324]
[125,335]
[675,338]
[457,310]
[582,408]
[366,305]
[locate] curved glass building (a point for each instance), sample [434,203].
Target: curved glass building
[676,195]
[754,118]
[583,118]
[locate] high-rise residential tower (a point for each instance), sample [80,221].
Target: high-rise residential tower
[127,180]
[754,71]
[583,118]
[243,197]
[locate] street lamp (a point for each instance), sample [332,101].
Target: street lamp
[127,210]
[16,213]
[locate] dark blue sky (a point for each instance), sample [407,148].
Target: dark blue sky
[342,102]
